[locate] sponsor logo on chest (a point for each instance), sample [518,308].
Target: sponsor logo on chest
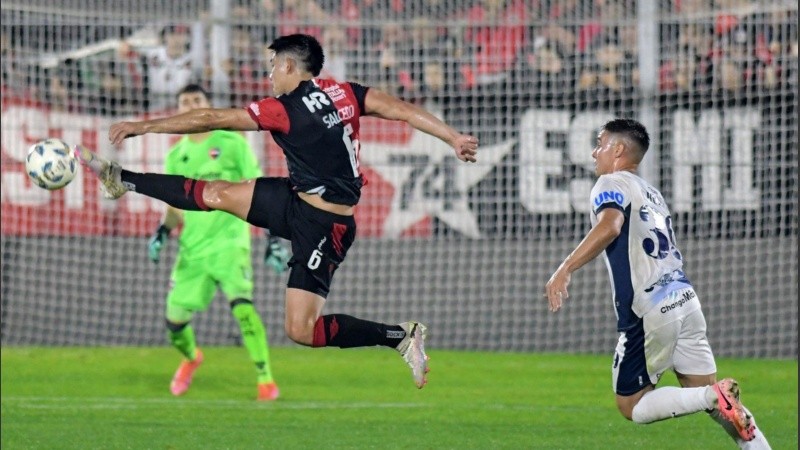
[609,196]
[335,92]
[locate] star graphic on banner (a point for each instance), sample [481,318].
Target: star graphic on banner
[429,180]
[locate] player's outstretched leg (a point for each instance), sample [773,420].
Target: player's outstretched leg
[412,349]
[731,408]
[107,171]
[175,190]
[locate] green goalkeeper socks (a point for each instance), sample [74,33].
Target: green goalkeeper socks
[183,339]
[254,337]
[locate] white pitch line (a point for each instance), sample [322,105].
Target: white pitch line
[134,403]
[120,403]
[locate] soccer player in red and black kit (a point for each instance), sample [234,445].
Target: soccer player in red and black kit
[316,123]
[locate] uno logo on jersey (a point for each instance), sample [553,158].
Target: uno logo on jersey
[609,196]
[315,100]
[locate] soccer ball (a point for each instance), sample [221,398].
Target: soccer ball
[50,164]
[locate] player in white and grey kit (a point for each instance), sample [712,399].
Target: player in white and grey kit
[661,325]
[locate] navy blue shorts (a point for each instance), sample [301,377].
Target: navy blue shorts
[629,368]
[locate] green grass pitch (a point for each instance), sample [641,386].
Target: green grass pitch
[118,398]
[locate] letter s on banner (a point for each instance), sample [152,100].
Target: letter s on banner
[538,162]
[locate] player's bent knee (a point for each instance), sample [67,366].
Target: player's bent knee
[626,404]
[175,327]
[299,332]
[214,194]
[233,198]
[626,412]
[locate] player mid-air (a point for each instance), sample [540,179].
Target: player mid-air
[316,123]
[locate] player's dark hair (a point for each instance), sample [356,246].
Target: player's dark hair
[192,89]
[306,49]
[631,129]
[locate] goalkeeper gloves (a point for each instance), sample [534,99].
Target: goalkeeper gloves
[277,256]
[156,243]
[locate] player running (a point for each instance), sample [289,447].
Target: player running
[316,123]
[661,325]
[214,250]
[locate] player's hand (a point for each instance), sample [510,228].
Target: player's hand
[466,147]
[556,288]
[276,256]
[122,130]
[156,243]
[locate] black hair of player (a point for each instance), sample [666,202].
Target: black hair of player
[305,48]
[192,89]
[631,129]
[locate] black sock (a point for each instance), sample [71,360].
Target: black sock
[175,190]
[343,331]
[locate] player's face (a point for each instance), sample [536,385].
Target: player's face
[603,154]
[278,74]
[192,100]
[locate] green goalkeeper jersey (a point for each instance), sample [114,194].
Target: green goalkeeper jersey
[222,156]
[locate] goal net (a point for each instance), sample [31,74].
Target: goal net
[467,248]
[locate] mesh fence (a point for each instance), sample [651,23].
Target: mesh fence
[466,248]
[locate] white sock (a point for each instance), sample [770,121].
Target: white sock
[758,443]
[669,401]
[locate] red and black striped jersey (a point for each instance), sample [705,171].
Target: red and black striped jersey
[317,127]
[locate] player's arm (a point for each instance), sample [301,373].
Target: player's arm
[608,227]
[173,217]
[380,104]
[195,121]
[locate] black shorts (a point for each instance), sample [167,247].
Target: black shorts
[320,239]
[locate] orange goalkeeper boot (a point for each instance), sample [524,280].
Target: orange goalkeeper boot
[732,410]
[268,392]
[183,376]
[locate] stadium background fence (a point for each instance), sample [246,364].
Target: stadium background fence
[467,249]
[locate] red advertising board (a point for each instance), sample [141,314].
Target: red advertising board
[79,208]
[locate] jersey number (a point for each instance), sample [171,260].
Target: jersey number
[353,147]
[664,242]
[314,260]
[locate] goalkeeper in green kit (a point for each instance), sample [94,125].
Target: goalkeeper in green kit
[214,249]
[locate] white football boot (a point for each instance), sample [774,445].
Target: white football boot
[109,172]
[412,349]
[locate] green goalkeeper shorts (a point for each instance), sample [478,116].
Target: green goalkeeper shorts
[194,282]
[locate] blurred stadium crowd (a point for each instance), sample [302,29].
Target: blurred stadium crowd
[548,51]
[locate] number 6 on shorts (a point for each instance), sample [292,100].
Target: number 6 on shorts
[314,260]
